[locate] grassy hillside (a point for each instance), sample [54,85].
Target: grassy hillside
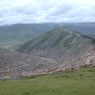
[59,38]
[81,82]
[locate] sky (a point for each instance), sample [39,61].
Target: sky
[41,11]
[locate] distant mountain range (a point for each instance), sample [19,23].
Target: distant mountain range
[17,34]
[86,28]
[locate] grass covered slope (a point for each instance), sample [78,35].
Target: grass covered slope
[81,82]
[59,38]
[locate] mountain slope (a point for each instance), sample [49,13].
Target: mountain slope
[56,50]
[81,82]
[17,65]
[59,38]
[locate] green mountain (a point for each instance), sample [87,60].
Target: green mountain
[17,34]
[59,39]
[20,33]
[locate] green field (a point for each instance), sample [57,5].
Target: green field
[81,82]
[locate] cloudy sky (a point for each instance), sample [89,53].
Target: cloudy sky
[38,11]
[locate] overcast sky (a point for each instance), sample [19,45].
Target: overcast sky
[38,11]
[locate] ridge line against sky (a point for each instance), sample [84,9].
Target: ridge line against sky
[39,11]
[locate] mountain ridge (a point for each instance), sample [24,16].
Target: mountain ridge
[17,33]
[58,38]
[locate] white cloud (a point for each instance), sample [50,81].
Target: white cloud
[30,11]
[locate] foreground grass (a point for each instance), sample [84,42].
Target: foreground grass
[81,82]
